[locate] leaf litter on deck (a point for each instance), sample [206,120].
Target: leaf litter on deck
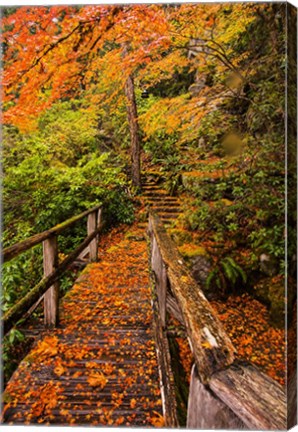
[99,367]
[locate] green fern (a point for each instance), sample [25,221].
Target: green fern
[226,273]
[237,268]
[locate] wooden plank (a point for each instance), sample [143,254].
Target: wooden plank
[161,279]
[91,227]
[35,306]
[167,384]
[206,411]
[51,296]
[173,308]
[83,255]
[212,348]
[256,398]
[14,314]
[99,221]
[14,250]
[292,399]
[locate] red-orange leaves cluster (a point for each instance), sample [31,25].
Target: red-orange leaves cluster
[55,52]
[247,323]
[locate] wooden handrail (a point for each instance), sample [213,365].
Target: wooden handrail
[13,315]
[212,348]
[14,250]
[224,394]
[258,400]
[48,287]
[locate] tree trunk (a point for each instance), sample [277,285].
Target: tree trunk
[132,116]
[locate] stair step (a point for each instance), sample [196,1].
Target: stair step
[164,202]
[157,192]
[169,210]
[165,198]
[164,216]
[152,186]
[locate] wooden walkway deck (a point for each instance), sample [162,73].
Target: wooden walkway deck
[99,366]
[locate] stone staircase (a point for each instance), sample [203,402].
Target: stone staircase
[157,199]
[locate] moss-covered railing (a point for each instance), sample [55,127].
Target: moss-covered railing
[223,393]
[48,287]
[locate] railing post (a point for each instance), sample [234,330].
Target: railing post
[99,221]
[161,279]
[91,227]
[51,297]
[206,411]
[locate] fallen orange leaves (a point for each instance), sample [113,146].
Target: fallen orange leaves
[59,370]
[247,322]
[157,420]
[133,403]
[103,353]
[48,347]
[97,380]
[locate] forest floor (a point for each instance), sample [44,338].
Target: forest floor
[247,323]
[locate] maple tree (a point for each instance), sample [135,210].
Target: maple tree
[102,49]
[68,49]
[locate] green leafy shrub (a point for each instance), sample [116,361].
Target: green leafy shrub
[50,175]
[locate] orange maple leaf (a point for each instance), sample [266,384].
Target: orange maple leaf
[97,380]
[59,370]
[158,420]
[48,347]
[133,403]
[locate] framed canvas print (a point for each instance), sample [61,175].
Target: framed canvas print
[149,228]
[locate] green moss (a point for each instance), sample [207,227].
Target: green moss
[191,250]
[277,303]
[227,202]
[180,236]
[272,292]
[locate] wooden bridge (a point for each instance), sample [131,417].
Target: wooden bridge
[104,356]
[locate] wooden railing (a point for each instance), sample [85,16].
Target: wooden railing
[223,393]
[48,288]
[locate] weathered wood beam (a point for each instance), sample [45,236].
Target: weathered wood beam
[99,220]
[258,400]
[51,296]
[14,250]
[292,398]
[167,384]
[212,348]
[206,411]
[161,280]
[91,226]
[14,314]
[173,308]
